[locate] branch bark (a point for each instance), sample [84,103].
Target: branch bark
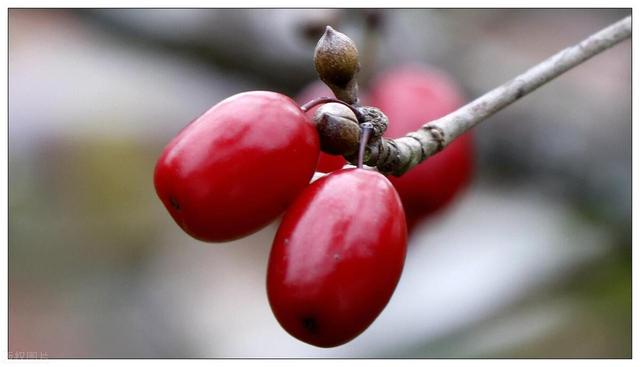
[397,156]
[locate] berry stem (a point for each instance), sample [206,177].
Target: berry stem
[365,132]
[322,100]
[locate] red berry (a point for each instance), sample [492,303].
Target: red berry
[329,162]
[238,166]
[317,89]
[411,96]
[337,257]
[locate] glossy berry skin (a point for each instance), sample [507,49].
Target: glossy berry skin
[317,89]
[238,166]
[337,257]
[410,96]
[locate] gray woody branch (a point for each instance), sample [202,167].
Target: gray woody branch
[397,156]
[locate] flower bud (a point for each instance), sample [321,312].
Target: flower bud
[338,129]
[336,61]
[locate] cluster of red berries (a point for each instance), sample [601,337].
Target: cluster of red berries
[340,248]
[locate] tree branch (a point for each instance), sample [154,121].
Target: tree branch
[397,156]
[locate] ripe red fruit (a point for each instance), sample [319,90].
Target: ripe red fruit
[317,89]
[411,96]
[337,257]
[238,166]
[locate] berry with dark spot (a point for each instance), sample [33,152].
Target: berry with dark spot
[238,166]
[337,257]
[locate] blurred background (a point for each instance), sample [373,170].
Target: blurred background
[532,260]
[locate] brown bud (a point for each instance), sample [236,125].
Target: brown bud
[338,129]
[336,61]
